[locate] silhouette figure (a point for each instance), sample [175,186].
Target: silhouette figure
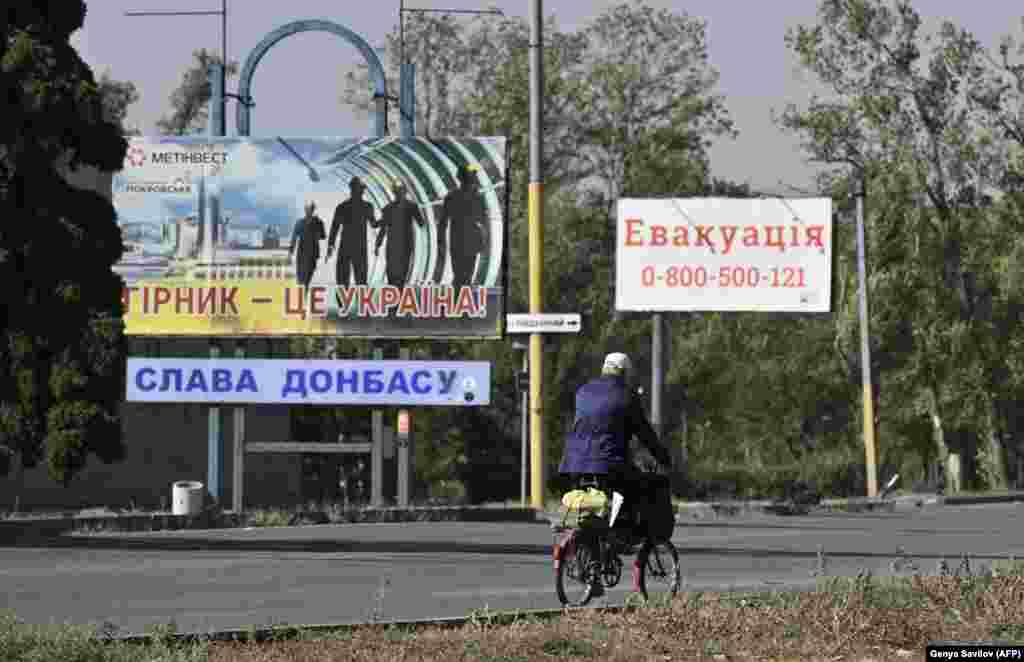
[396,224]
[309,230]
[350,220]
[464,212]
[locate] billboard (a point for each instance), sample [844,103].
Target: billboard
[724,254]
[294,381]
[380,237]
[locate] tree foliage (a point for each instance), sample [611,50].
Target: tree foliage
[634,86]
[190,100]
[117,96]
[932,127]
[919,118]
[61,348]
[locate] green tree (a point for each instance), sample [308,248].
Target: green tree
[61,344]
[190,100]
[484,91]
[632,87]
[902,118]
[440,48]
[117,96]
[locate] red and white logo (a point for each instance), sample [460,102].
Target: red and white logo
[136,156]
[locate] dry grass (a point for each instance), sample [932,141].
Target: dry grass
[861,618]
[855,619]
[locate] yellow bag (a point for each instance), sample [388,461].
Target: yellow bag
[587,507]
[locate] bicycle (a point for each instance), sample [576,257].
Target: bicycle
[589,554]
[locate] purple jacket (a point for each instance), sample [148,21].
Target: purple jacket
[607,417]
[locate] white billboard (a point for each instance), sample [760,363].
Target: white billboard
[724,254]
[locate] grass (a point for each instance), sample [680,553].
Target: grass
[20,642]
[858,618]
[841,618]
[340,513]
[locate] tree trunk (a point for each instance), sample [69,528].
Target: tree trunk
[991,459]
[19,489]
[938,434]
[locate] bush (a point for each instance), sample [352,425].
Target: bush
[834,476]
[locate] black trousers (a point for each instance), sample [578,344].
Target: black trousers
[348,262]
[463,263]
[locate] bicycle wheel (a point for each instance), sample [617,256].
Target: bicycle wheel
[578,572]
[659,571]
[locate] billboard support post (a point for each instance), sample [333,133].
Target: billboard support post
[657,371]
[215,128]
[238,455]
[405,450]
[214,448]
[377,450]
[524,432]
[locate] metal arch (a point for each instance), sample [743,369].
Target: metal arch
[242,118]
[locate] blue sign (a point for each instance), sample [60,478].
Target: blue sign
[319,382]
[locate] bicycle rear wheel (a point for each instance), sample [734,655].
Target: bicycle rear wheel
[578,572]
[660,575]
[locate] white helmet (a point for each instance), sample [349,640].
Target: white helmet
[617,364]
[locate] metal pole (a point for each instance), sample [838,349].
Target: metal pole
[238,460]
[406,455]
[214,450]
[524,408]
[224,65]
[657,371]
[377,449]
[865,348]
[536,241]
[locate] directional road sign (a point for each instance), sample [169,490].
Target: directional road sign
[543,323]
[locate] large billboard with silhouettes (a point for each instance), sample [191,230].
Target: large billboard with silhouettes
[359,237]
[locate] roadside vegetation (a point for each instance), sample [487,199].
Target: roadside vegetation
[841,618]
[927,120]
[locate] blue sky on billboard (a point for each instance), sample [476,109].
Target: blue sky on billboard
[263,183]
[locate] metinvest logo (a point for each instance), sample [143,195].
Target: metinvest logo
[136,156]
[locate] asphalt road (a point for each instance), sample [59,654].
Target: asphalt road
[226,579]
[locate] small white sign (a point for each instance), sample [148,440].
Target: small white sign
[543,323]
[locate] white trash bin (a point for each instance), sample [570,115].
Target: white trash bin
[187,497]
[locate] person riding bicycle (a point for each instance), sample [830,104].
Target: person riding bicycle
[608,414]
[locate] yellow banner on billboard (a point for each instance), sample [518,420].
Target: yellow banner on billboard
[275,306]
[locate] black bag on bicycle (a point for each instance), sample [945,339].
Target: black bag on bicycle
[657,514]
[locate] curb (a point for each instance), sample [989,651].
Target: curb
[40,529]
[966,500]
[284,632]
[851,505]
[33,529]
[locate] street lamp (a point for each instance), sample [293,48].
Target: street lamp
[524,406]
[865,343]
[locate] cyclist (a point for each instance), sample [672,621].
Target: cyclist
[608,414]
